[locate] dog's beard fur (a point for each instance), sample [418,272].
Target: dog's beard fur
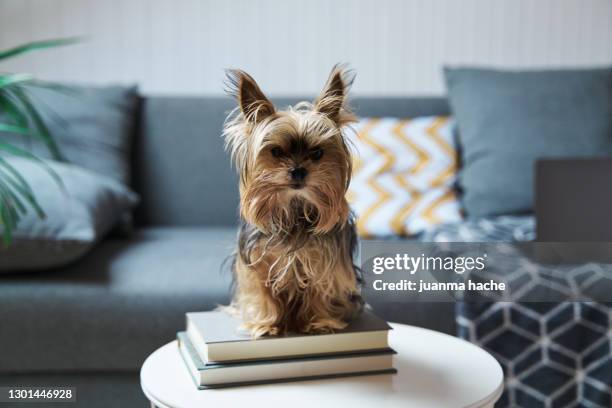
[276,208]
[293,268]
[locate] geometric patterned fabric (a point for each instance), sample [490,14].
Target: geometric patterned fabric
[554,354]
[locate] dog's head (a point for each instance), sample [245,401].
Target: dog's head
[294,164]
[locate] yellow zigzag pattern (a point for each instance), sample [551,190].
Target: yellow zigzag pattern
[435,166]
[445,175]
[398,222]
[351,195]
[383,195]
[434,132]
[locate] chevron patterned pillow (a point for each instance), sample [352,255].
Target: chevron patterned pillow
[404,171]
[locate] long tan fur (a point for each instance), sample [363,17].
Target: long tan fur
[293,268]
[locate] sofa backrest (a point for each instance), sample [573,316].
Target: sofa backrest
[181,170]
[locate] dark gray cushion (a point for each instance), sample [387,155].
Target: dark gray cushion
[181,135]
[117,305]
[507,120]
[94,127]
[78,212]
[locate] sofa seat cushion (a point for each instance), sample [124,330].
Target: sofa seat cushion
[113,308]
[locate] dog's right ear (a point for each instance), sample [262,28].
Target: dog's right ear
[253,103]
[332,101]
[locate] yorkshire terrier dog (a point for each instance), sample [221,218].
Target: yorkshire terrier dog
[293,268]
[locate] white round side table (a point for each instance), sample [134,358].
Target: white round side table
[435,370]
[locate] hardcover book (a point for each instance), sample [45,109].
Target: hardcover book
[216,337]
[214,375]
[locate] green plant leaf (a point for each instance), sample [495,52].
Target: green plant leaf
[4,127]
[43,130]
[65,89]
[20,186]
[12,79]
[62,89]
[7,192]
[17,113]
[13,112]
[8,219]
[24,131]
[15,174]
[36,45]
[15,192]
[16,151]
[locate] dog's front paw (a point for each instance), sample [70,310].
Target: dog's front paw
[322,326]
[258,329]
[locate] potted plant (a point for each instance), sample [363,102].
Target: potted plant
[19,116]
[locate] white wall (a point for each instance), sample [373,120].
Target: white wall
[397,47]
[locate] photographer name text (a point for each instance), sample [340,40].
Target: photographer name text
[445,266]
[424,286]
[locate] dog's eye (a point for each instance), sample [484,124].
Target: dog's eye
[276,151]
[316,154]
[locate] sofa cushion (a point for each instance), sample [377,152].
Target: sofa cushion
[93,126]
[404,174]
[78,212]
[117,305]
[509,119]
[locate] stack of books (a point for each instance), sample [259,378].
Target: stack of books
[218,354]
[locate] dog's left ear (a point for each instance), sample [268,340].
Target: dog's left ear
[252,101]
[332,101]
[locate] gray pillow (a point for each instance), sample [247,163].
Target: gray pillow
[94,126]
[77,215]
[507,120]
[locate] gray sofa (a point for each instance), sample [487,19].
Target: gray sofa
[93,323]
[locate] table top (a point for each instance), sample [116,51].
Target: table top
[435,370]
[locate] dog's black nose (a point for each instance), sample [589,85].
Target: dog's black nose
[298,174]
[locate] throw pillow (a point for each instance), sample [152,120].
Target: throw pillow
[507,120]
[403,175]
[94,126]
[78,213]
